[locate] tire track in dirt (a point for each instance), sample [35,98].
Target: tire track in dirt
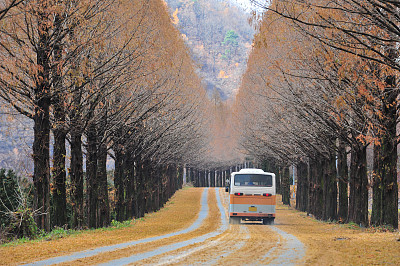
[249,243]
[93,252]
[143,256]
[270,253]
[241,244]
[210,247]
[210,252]
[293,250]
[234,245]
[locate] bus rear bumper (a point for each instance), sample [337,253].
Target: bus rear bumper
[251,215]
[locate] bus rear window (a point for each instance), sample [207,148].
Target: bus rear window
[253,180]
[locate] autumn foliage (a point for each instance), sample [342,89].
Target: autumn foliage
[320,88]
[109,81]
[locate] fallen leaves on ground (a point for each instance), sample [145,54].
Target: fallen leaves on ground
[333,244]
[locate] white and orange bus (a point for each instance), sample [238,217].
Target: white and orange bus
[252,196]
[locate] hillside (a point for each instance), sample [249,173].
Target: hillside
[219,36]
[16,139]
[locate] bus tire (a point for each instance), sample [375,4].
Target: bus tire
[268,221]
[234,220]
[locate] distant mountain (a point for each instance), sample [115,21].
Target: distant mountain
[219,36]
[16,138]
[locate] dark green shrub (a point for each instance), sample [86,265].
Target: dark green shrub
[16,214]
[8,195]
[22,224]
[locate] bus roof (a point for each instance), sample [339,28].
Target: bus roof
[252,171]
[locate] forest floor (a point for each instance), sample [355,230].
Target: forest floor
[214,242]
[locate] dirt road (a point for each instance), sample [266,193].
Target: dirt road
[193,229]
[229,244]
[249,243]
[208,240]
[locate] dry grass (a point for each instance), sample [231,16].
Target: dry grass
[332,244]
[183,207]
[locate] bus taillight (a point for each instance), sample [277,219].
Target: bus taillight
[238,194]
[267,195]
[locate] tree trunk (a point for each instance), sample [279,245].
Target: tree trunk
[322,180]
[385,187]
[140,193]
[316,185]
[59,175]
[285,189]
[149,190]
[311,192]
[358,200]
[91,176]
[200,178]
[118,182]
[319,173]
[76,173]
[103,201]
[298,188]
[330,192]
[59,132]
[41,157]
[170,181]
[129,184]
[160,188]
[175,177]
[343,174]
[302,187]
[278,175]
[41,142]
[164,184]
[180,177]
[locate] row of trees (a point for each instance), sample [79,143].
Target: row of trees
[321,85]
[102,81]
[214,175]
